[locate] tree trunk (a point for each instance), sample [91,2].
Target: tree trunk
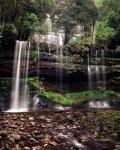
[94,32]
[94,27]
[67,34]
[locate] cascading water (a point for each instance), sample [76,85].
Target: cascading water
[60,42]
[36,98]
[25,87]
[97,69]
[103,68]
[38,53]
[36,101]
[56,39]
[97,72]
[20,75]
[89,74]
[61,69]
[49,23]
[99,104]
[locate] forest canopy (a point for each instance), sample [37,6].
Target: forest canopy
[108,27]
[20,19]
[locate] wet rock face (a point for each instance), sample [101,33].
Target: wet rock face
[52,64]
[59,130]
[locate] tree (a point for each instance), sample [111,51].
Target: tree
[23,15]
[12,9]
[9,35]
[110,19]
[25,25]
[104,32]
[77,12]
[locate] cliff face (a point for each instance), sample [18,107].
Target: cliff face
[67,65]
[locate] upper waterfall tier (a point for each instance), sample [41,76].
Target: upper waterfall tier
[51,38]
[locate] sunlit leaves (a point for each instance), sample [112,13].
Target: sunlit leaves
[104,31]
[109,21]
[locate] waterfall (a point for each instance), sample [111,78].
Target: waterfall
[103,68]
[36,101]
[25,87]
[99,104]
[20,87]
[97,69]
[56,40]
[38,65]
[97,72]
[60,43]
[49,23]
[61,69]
[89,74]
[52,38]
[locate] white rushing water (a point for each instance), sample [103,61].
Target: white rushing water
[20,87]
[25,87]
[48,23]
[56,39]
[38,65]
[36,101]
[89,74]
[53,38]
[99,104]
[97,72]
[61,70]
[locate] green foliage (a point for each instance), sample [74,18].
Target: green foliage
[118,48]
[0,36]
[9,35]
[34,54]
[93,94]
[104,31]
[9,28]
[42,29]
[80,42]
[25,14]
[99,3]
[72,43]
[26,23]
[68,98]
[5,86]
[109,21]
[58,97]
[77,12]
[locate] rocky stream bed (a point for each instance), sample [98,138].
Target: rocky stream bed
[73,129]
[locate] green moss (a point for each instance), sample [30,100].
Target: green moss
[69,98]
[34,54]
[93,94]
[5,86]
[62,98]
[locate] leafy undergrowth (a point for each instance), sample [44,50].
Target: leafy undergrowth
[60,130]
[62,98]
[69,98]
[5,86]
[93,94]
